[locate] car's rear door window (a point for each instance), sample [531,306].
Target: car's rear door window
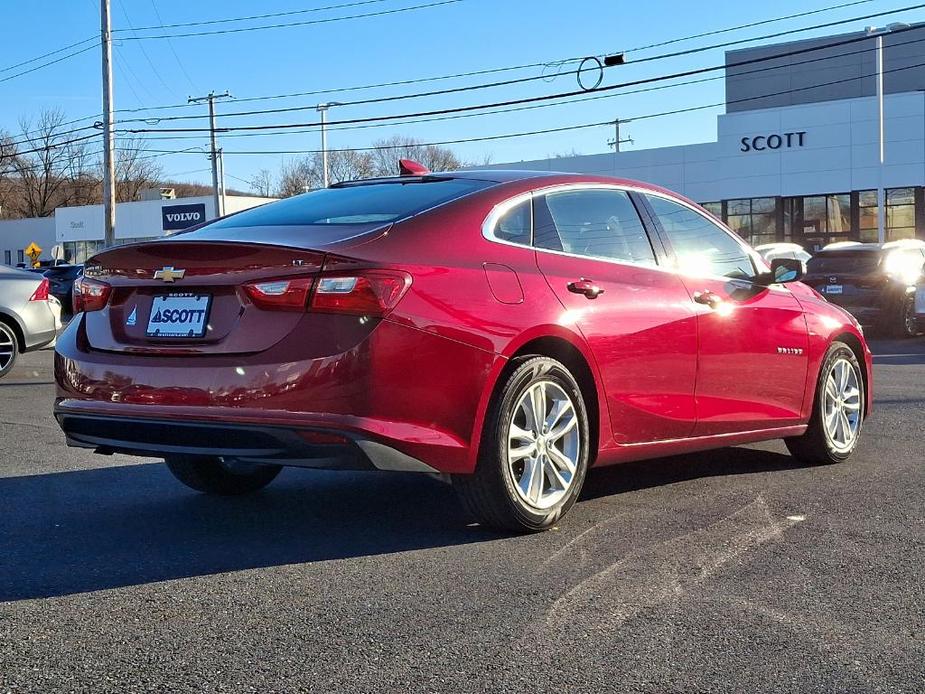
[516,224]
[598,223]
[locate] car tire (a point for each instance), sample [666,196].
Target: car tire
[214,476]
[529,474]
[906,324]
[9,349]
[838,393]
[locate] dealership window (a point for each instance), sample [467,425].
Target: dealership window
[754,219]
[7,258]
[20,256]
[900,214]
[714,208]
[867,216]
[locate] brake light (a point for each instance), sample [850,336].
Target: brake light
[90,295]
[280,295]
[41,292]
[373,293]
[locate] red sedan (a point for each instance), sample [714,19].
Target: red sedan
[506,329]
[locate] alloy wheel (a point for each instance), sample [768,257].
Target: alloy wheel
[543,445]
[841,410]
[7,349]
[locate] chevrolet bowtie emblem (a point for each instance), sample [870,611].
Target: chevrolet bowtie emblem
[168,274]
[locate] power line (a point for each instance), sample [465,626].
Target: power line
[255,17]
[521,80]
[592,97]
[284,25]
[47,55]
[566,128]
[51,62]
[176,57]
[144,52]
[525,100]
[487,71]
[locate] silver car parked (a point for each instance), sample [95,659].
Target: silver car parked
[27,318]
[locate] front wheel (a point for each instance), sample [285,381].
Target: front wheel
[9,349]
[534,453]
[216,476]
[907,324]
[838,410]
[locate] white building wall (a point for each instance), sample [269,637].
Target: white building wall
[840,153]
[16,234]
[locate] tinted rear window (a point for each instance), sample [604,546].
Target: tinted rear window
[844,261]
[372,203]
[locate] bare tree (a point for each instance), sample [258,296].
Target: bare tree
[306,174]
[387,153]
[45,163]
[135,171]
[262,183]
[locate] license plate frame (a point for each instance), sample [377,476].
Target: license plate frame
[834,289]
[188,320]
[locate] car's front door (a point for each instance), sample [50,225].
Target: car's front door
[636,316]
[753,339]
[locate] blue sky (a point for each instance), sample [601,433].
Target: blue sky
[458,37]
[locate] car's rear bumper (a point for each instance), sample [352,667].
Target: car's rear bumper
[39,325]
[400,389]
[322,448]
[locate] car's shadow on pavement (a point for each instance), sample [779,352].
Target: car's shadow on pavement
[89,530]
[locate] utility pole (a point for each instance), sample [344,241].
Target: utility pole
[218,190]
[323,110]
[617,141]
[109,167]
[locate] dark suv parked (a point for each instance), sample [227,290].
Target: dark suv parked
[875,282]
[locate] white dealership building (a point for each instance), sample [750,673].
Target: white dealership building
[797,153]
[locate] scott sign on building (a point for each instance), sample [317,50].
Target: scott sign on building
[175,217]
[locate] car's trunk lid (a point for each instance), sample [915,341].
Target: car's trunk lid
[152,279]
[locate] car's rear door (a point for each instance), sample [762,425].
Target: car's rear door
[753,339]
[636,316]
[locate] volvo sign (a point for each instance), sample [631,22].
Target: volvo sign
[176,217]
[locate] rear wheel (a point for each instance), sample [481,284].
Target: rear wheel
[215,476]
[9,349]
[534,453]
[838,410]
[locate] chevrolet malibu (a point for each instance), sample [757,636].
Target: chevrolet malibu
[508,330]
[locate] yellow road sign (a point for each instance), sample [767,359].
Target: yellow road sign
[33,250]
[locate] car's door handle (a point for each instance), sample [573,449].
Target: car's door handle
[708,298]
[586,287]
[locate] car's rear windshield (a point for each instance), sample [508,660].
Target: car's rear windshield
[844,261]
[370,203]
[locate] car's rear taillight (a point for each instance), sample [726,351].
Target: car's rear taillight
[372,293]
[280,295]
[41,292]
[90,295]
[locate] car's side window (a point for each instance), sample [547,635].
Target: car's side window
[600,223]
[515,225]
[701,247]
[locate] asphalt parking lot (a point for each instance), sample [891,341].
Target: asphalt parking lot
[730,571]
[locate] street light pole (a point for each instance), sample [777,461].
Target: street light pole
[881,192]
[323,110]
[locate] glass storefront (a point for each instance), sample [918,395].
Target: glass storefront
[753,218]
[77,252]
[816,220]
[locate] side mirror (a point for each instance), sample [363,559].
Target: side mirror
[785,270]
